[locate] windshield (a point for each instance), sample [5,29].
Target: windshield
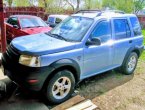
[32,22]
[73,28]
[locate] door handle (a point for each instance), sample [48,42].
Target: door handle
[130,41]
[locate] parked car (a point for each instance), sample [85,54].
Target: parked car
[19,25]
[53,20]
[83,45]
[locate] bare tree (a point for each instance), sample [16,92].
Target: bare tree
[71,4]
[78,5]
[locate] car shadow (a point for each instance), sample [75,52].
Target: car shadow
[88,88]
[102,83]
[16,98]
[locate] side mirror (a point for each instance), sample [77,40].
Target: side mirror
[16,26]
[93,41]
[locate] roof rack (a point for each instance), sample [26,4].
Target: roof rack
[99,12]
[115,11]
[87,11]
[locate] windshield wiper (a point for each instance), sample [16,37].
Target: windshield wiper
[33,26]
[59,36]
[28,27]
[39,26]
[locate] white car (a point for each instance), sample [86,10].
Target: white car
[53,20]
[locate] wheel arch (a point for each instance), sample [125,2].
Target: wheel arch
[132,49]
[137,52]
[68,64]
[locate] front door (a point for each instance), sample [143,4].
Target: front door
[99,58]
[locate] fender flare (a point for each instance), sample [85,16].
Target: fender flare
[132,49]
[67,63]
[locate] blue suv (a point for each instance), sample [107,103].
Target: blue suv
[83,45]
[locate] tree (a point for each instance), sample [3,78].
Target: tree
[78,5]
[88,4]
[74,4]
[108,4]
[138,5]
[71,4]
[93,4]
[10,2]
[45,3]
[33,2]
[124,5]
[21,3]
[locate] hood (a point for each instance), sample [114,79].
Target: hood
[41,44]
[37,30]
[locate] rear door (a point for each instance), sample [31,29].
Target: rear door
[122,39]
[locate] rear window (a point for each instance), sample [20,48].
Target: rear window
[136,26]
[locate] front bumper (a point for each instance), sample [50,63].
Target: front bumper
[24,75]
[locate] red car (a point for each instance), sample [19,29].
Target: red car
[19,25]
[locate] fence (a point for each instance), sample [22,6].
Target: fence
[37,11]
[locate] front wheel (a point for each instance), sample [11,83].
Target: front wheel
[60,87]
[130,64]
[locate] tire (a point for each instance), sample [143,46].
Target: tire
[60,87]
[130,64]
[8,42]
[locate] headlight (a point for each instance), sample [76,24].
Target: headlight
[32,61]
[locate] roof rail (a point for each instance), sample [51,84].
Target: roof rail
[115,11]
[99,12]
[87,11]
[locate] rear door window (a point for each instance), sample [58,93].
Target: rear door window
[121,28]
[136,26]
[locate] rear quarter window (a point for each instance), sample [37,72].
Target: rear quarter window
[58,20]
[136,26]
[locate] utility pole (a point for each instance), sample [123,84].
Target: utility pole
[3,27]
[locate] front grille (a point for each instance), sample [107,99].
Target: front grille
[11,55]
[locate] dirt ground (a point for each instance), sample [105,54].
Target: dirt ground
[109,91]
[115,91]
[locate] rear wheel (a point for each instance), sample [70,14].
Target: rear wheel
[130,64]
[60,87]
